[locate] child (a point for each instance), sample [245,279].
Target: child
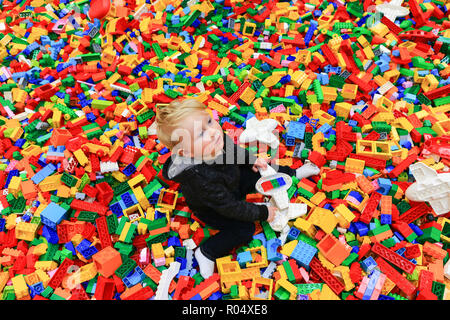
[214,183]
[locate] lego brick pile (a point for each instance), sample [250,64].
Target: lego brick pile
[360,89]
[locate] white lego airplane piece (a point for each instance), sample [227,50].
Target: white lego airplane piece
[287,211]
[392,10]
[261,131]
[431,187]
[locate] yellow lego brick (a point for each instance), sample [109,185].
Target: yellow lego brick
[323,218]
[14,185]
[441,127]
[344,274]
[20,287]
[169,252]
[327,294]
[283,283]
[370,148]
[259,255]
[259,282]
[324,117]
[344,215]
[50,183]
[142,228]
[157,250]
[354,165]
[46,265]
[43,277]
[288,248]
[343,109]
[81,157]
[4,277]
[31,279]
[282,272]
[10,222]
[349,91]
[40,249]
[137,180]
[26,231]
[141,198]
[318,198]
[305,226]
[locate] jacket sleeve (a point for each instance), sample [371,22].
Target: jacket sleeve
[216,196]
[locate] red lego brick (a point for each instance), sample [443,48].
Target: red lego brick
[393,257]
[403,228]
[142,294]
[57,278]
[211,281]
[402,166]
[371,206]
[103,232]
[326,276]
[184,284]
[316,158]
[363,250]
[415,213]
[426,279]
[401,282]
[356,272]
[378,164]
[412,252]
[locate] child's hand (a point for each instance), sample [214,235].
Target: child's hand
[272,213]
[260,163]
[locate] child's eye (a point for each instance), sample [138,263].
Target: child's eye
[209,121]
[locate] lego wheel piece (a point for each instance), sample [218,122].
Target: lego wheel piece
[274,180]
[99,9]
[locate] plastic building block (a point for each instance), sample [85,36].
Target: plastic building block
[429,186]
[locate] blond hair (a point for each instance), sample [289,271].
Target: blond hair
[168,117]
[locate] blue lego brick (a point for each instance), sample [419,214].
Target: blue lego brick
[50,234]
[89,252]
[289,141]
[43,173]
[116,209]
[84,244]
[368,264]
[129,170]
[182,262]
[12,173]
[173,242]
[261,237]
[52,215]
[2,224]
[361,228]
[303,254]
[296,130]
[216,296]
[293,234]
[416,229]
[127,200]
[324,128]
[401,251]
[196,297]
[386,219]
[69,246]
[134,277]
[371,285]
[281,182]
[384,297]
[272,250]
[385,185]
[244,257]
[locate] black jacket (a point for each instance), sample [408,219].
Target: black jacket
[213,188]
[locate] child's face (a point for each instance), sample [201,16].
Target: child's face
[201,136]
